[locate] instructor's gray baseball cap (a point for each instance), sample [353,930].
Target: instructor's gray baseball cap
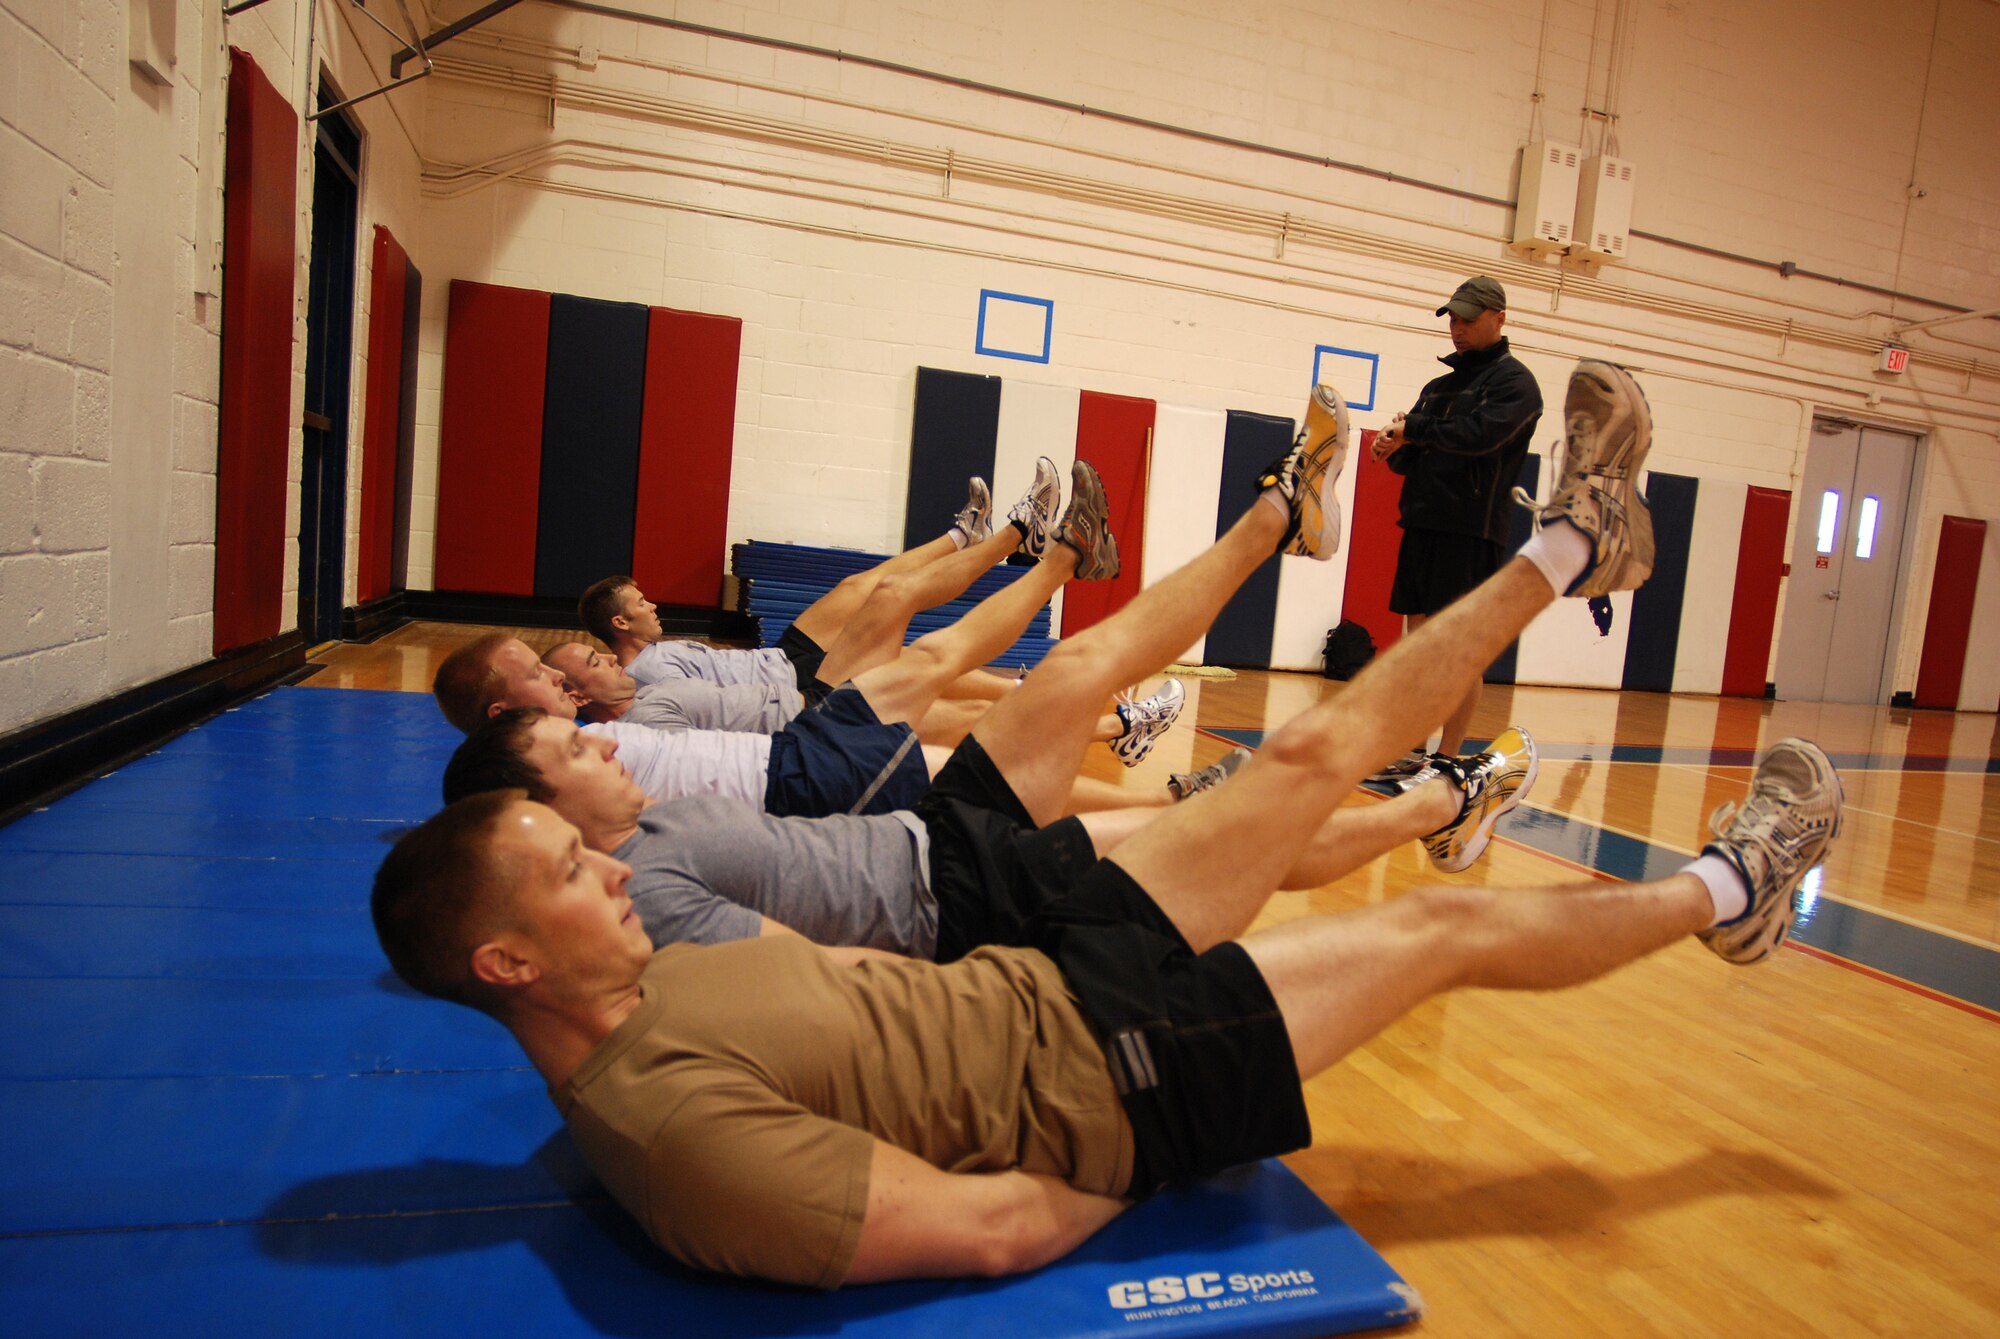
[1477,294]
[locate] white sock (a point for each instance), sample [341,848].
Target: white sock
[1725,886]
[958,537]
[1277,499]
[1561,551]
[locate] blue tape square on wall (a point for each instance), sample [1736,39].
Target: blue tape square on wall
[1343,371]
[1008,320]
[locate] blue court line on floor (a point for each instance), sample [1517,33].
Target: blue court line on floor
[1557,751]
[1937,962]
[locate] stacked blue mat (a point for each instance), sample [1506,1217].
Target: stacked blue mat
[221,1115]
[777,581]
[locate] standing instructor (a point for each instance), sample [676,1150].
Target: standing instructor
[1459,452]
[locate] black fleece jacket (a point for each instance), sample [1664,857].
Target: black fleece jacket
[1464,443]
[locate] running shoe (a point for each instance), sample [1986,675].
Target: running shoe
[1492,783]
[1607,428]
[1184,784]
[1306,474]
[1146,719]
[1037,511]
[1780,831]
[975,522]
[1086,526]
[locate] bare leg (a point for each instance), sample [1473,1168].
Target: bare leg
[1036,735]
[824,618]
[904,688]
[1089,795]
[1459,718]
[873,635]
[949,721]
[1339,980]
[1347,840]
[1212,863]
[981,685]
[1352,836]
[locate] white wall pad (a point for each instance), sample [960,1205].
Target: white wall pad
[1310,594]
[1710,594]
[1183,490]
[1562,646]
[1035,420]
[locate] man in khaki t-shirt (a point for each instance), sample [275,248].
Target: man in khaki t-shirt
[719,1162]
[830,1116]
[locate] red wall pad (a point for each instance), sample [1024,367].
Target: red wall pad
[496,364]
[1372,542]
[687,433]
[1948,626]
[254,428]
[1753,613]
[382,415]
[1115,434]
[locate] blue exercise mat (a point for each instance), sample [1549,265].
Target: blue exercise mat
[221,1114]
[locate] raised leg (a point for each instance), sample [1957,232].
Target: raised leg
[1340,979]
[873,634]
[1037,734]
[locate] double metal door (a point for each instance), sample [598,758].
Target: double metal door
[1847,549]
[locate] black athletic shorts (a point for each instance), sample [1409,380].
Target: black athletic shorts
[841,759]
[1195,1044]
[992,869]
[1197,1048]
[1434,568]
[806,656]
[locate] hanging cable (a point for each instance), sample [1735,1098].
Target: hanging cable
[1913,192]
[1535,98]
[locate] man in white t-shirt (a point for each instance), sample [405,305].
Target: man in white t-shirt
[857,751]
[604,691]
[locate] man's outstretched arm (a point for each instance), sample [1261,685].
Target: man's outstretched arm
[924,1223]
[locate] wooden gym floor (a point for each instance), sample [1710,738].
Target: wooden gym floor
[1809,1147]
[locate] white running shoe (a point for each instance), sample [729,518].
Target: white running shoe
[1781,830]
[1146,719]
[1038,509]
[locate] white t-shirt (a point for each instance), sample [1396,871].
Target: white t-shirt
[677,659]
[671,766]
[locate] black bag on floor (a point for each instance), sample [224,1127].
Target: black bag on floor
[1348,648]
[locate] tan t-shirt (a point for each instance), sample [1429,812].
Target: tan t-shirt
[734,1113]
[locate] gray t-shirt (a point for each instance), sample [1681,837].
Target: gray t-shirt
[704,869]
[678,659]
[696,704]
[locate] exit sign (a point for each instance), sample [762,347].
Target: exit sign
[1892,359]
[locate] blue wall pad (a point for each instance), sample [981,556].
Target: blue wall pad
[589,498]
[953,436]
[777,581]
[1503,669]
[220,1113]
[1241,633]
[1653,643]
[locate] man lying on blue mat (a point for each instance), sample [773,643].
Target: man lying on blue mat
[491,673]
[617,612]
[828,1116]
[857,752]
[604,692]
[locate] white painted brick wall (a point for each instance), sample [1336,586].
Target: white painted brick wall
[1784,131]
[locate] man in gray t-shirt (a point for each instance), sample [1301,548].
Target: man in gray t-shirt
[603,691]
[707,870]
